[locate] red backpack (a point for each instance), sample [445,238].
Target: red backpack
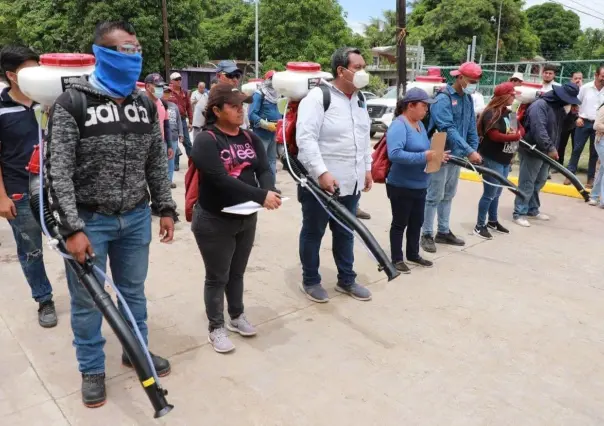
[381,163]
[192,179]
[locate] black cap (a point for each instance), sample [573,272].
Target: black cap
[155,79]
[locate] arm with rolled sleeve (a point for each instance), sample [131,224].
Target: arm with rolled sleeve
[442,114]
[308,129]
[396,140]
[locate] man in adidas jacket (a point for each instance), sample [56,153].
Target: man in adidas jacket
[102,163]
[334,146]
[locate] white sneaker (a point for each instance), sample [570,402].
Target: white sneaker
[540,216]
[521,221]
[592,202]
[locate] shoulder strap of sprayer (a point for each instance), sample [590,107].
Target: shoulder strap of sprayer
[77,110]
[327,97]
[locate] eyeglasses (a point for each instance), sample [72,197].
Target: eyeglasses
[127,48]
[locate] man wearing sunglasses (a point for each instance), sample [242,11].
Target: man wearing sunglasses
[228,72]
[180,97]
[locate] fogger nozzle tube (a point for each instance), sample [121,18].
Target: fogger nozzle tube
[85,273]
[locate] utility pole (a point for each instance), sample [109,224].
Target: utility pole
[497,48]
[164,13]
[401,57]
[473,54]
[256,65]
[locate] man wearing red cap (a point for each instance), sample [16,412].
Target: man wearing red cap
[454,114]
[263,115]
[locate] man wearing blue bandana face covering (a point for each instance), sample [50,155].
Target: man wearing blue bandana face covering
[102,169]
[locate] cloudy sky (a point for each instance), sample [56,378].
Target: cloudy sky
[360,10]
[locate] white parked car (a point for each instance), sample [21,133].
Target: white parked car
[381,111]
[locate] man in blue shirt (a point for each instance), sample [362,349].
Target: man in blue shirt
[18,136]
[452,113]
[263,115]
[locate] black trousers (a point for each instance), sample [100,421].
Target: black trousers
[225,244]
[566,134]
[407,214]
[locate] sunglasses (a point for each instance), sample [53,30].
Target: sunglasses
[233,75]
[127,48]
[177,79]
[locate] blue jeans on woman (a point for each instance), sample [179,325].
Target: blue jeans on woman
[489,202]
[597,191]
[28,237]
[125,240]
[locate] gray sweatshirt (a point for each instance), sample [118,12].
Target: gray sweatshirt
[112,166]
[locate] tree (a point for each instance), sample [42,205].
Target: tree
[382,31]
[557,28]
[68,26]
[446,27]
[590,44]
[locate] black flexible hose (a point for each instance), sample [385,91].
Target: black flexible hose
[532,149]
[342,213]
[485,171]
[116,321]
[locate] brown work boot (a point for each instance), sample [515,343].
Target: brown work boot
[590,184]
[362,215]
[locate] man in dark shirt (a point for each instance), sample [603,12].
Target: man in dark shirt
[18,136]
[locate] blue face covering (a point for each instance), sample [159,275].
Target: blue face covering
[116,72]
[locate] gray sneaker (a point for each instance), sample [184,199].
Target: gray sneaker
[242,326]
[47,315]
[316,293]
[220,341]
[356,291]
[427,243]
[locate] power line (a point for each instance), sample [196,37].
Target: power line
[578,10]
[587,7]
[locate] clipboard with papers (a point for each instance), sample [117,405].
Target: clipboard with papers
[247,208]
[439,139]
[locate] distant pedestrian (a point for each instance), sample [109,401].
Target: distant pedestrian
[570,122]
[180,97]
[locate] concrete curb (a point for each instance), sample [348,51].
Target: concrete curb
[550,187]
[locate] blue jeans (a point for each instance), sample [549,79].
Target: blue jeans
[442,189]
[597,192]
[187,139]
[532,178]
[125,240]
[174,146]
[582,134]
[270,146]
[28,237]
[314,223]
[489,202]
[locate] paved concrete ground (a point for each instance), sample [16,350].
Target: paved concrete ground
[502,332]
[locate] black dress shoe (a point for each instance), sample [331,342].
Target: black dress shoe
[162,365]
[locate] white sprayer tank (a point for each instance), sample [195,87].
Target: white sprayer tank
[430,84]
[298,79]
[56,72]
[251,86]
[528,92]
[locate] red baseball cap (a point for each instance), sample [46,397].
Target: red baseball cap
[269,74]
[468,69]
[505,89]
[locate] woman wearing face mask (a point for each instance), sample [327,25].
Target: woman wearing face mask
[233,169]
[409,151]
[499,143]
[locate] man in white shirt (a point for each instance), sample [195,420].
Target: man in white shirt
[591,96]
[196,95]
[548,76]
[199,119]
[334,146]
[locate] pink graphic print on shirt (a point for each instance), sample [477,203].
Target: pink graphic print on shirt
[234,158]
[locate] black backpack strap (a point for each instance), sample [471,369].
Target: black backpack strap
[326,96]
[148,105]
[79,105]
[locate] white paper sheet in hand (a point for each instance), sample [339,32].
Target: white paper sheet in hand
[247,208]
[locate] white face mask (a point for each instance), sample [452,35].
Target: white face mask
[360,79]
[567,108]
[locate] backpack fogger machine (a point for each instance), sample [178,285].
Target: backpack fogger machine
[44,84]
[294,84]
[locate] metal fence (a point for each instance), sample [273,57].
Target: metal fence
[494,74]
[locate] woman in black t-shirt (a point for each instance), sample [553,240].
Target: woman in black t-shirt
[500,133]
[233,169]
